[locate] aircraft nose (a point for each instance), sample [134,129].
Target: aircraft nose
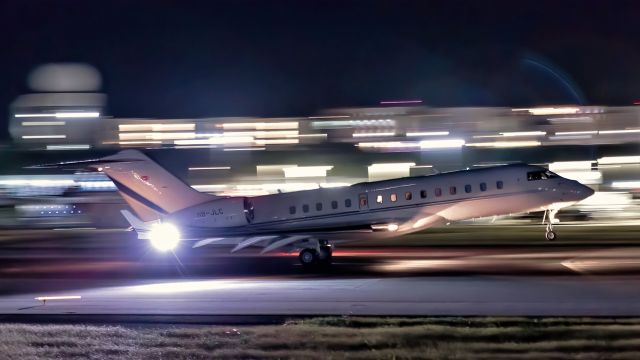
[583,191]
[588,191]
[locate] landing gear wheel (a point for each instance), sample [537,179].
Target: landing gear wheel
[308,257]
[550,219]
[551,235]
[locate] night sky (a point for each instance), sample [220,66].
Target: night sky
[287,58]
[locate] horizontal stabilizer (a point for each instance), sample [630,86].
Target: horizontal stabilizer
[80,165]
[141,227]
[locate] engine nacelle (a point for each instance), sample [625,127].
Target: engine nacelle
[217,213]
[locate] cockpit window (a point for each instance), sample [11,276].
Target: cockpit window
[541,175]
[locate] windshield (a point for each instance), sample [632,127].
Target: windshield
[541,175]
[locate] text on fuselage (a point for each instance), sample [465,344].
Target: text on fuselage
[212,212]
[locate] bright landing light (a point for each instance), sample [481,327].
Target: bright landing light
[164,236]
[392,227]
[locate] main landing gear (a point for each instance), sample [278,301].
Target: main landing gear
[320,255]
[550,217]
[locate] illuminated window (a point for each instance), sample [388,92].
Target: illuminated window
[394,197]
[423,194]
[438,192]
[334,204]
[452,190]
[499,184]
[408,195]
[379,199]
[347,203]
[319,206]
[467,188]
[292,210]
[305,208]
[483,186]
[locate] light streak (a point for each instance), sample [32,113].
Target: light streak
[262,125]
[374,134]
[69,147]
[441,144]
[620,131]
[523,133]
[506,144]
[157,127]
[210,168]
[44,123]
[44,136]
[428,133]
[609,160]
[590,132]
[551,110]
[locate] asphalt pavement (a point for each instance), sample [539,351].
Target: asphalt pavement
[111,273]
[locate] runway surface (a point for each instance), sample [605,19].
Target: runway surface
[110,273]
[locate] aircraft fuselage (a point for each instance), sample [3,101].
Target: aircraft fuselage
[399,205]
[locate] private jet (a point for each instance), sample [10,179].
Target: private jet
[310,222]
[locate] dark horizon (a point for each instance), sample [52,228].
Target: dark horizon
[287,58]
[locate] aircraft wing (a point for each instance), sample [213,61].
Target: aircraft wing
[272,241]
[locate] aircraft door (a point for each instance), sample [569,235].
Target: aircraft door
[363,201]
[248,210]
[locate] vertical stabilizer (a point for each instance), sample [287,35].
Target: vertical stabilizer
[147,187]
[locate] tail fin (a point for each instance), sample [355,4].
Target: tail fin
[148,188]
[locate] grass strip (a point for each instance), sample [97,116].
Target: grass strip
[335,338]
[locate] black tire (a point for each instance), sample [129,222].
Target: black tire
[551,235]
[308,257]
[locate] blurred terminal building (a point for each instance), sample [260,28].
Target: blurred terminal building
[597,145]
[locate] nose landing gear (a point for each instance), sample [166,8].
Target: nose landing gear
[550,217]
[550,234]
[320,255]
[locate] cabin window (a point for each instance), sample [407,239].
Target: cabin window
[319,206]
[408,195]
[452,190]
[334,204]
[423,194]
[394,197]
[347,203]
[483,186]
[305,208]
[292,210]
[467,188]
[363,200]
[438,192]
[499,184]
[379,199]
